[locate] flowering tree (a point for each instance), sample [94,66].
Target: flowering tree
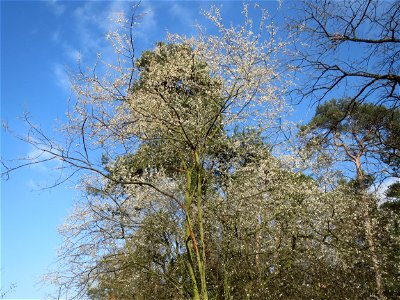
[143,131]
[364,135]
[183,196]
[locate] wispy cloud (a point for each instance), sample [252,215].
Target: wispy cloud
[61,77]
[381,189]
[183,14]
[55,37]
[87,20]
[56,7]
[92,21]
[35,155]
[146,24]
[74,54]
[43,166]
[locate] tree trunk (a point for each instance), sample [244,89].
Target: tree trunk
[369,232]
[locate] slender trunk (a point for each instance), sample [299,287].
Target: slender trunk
[369,232]
[189,238]
[195,252]
[374,257]
[202,258]
[195,289]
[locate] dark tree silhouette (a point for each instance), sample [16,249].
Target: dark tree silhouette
[351,46]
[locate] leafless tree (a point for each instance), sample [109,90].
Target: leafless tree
[350,47]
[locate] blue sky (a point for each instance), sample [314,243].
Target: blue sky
[39,42]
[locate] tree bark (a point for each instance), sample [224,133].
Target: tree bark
[369,231]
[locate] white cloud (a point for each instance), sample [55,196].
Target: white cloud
[74,54]
[145,24]
[55,37]
[43,166]
[56,7]
[181,13]
[381,188]
[89,22]
[37,154]
[61,77]
[93,20]
[32,184]
[38,169]
[116,9]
